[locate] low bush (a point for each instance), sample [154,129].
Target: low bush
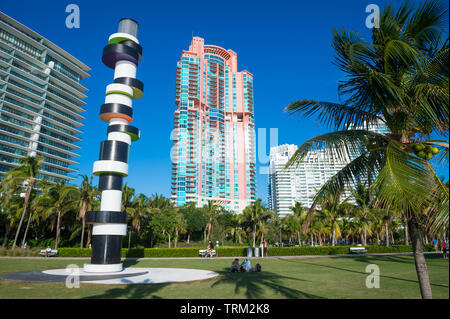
[221,252]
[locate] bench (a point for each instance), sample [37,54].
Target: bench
[358,250]
[204,253]
[49,254]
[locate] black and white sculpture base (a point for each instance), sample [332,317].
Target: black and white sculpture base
[106,254]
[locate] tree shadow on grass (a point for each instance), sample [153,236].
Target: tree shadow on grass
[367,260]
[132,291]
[256,284]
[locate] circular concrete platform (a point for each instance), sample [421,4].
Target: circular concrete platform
[127,276]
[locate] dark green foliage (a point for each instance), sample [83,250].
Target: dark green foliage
[242,251]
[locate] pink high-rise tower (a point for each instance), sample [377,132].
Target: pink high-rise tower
[213,155]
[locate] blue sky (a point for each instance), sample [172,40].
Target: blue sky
[285,44]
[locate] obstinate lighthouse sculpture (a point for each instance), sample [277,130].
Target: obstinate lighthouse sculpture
[122,54]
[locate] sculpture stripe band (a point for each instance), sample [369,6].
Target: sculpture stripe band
[114,151]
[106,249]
[119,52]
[111,110]
[135,84]
[110,181]
[127,129]
[95,217]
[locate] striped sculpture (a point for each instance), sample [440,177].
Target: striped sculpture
[122,54]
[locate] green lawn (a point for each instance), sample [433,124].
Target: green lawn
[342,277]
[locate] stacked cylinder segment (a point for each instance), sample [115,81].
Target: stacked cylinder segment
[122,54]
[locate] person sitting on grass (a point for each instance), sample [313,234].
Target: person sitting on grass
[235,266]
[246,265]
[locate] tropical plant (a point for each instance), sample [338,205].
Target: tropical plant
[23,176]
[55,201]
[400,78]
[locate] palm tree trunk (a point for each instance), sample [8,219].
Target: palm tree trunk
[88,242]
[169,240]
[58,230]
[83,225]
[387,234]
[365,238]
[298,235]
[176,238]
[26,229]
[7,228]
[189,236]
[419,259]
[254,235]
[333,240]
[83,221]
[405,222]
[25,205]
[204,233]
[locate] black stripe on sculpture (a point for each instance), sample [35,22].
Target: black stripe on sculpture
[127,129]
[135,84]
[134,46]
[116,110]
[120,52]
[106,249]
[110,181]
[105,217]
[112,150]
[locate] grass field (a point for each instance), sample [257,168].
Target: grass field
[298,278]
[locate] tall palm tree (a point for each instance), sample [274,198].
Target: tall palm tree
[252,215]
[401,78]
[300,213]
[140,211]
[25,176]
[363,210]
[212,211]
[57,200]
[332,208]
[88,192]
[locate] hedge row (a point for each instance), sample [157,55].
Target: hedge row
[242,251]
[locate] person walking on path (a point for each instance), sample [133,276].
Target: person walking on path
[435,245]
[266,248]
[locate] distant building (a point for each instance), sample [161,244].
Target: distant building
[214,151]
[300,183]
[41,99]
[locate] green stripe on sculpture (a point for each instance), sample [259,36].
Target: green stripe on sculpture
[119,92]
[118,40]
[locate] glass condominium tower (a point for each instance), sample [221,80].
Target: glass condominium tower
[41,99]
[214,151]
[300,183]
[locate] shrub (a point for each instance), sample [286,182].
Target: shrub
[74,252]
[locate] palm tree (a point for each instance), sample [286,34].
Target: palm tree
[300,214]
[140,211]
[25,176]
[55,201]
[331,209]
[401,79]
[251,215]
[363,210]
[212,211]
[88,192]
